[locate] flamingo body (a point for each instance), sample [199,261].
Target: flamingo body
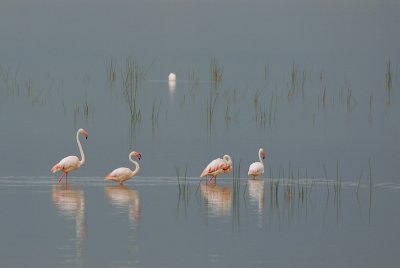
[71,163]
[119,175]
[123,174]
[218,166]
[257,168]
[67,164]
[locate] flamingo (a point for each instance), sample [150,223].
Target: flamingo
[71,163]
[216,167]
[123,174]
[257,168]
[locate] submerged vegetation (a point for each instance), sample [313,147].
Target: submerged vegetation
[287,194]
[302,95]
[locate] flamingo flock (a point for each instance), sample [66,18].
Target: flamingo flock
[216,167]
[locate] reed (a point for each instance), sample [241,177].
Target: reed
[215,71]
[155,111]
[236,197]
[111,73]
[194,78]
[184,190]
[133,77]
[388,77]
[358,184]
[183,184]
[211,104]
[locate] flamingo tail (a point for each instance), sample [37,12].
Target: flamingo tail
[204,173]
[56,168]
[109,177]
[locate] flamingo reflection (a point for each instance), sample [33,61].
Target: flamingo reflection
[124,197]
[71,204]
[217,198]
[256,193]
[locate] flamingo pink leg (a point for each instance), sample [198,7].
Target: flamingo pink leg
[66,179]
[61,177]
[211,178]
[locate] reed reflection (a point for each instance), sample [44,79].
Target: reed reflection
[71,204]
[124,197]
[217,198]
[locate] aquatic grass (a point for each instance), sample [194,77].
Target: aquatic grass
[183,184]
[10,80]
[184,190]
[266,74]
[388,77]
[133,75]
[86,108]
[215,72]
[326,178]
[155,111]
[111,73]
[370,108]
[298,80]
[358,184]
[194,78]
[236,197]
[370,191]
[211,103]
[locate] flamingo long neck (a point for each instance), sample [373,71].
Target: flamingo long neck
[260,156]
[137,167]
[80,149]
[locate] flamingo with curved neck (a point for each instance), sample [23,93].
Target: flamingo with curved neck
[72,162]
[123,174]
[216,167]
[257,168]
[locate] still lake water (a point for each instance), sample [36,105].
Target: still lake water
[316,84]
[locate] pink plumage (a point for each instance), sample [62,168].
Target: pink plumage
[123,174]
[67,164]
[257,168]
[217,166]
[71,163]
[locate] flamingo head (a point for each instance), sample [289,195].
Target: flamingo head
[263,154]
[83,132]
[137,155]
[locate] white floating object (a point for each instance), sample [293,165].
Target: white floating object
[172,77]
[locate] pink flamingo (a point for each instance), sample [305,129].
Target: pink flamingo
[216,167]
[123,174]
[257,168]
[71,163]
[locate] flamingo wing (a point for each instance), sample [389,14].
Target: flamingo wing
[256,169]
[67,164]
[217,166]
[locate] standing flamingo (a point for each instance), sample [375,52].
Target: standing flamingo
[123,174]
[71,163]
[257,168]
[216,167]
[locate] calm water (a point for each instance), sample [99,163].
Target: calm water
[151,223]
[316,84]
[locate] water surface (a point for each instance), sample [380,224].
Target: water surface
[316,84]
